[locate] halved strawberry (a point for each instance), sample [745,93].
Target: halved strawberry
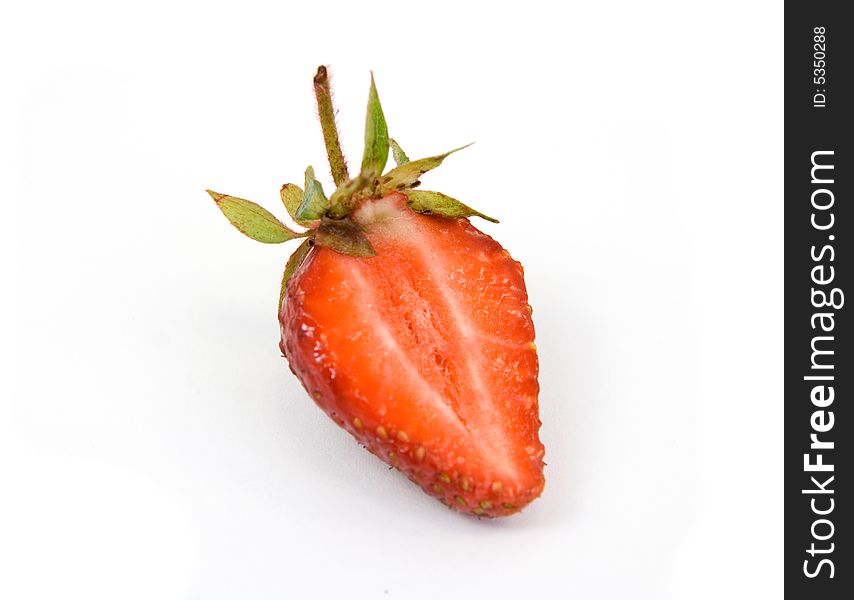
[408,326]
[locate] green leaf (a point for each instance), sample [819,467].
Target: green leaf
[397,152]
[408,174]
[344,236]
[436,203]
[293,264]
[252,220]
[376,134]
[314,203]
[292,198]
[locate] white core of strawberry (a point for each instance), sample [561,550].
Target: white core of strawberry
[378,324]
[382,210]
[390,218]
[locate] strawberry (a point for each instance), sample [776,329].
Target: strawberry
[407,325]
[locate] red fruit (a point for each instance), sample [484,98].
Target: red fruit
[425,354]
[412,331]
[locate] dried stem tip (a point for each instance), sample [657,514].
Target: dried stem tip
[323,93]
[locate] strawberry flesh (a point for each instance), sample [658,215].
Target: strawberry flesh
[425,353]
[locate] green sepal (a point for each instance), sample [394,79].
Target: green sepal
[397,152]
[376,134]
[292,265]
[253,220]
[437,203]
[408,174]
[341,200]
[314,203]
[292,195]
[343,236]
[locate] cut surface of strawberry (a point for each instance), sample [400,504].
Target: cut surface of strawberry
[425,353]
[409,327]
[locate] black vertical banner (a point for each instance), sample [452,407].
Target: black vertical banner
[819,367]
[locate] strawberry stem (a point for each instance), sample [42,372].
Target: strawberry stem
[323,93]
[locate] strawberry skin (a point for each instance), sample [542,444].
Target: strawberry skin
[425,354]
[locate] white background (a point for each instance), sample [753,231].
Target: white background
[155,444]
